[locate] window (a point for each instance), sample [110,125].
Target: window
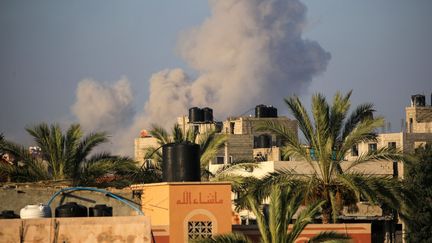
[199,229]
[195,129]
[220,160]
[354,150]
[232,124]
[410,125]
[391,145]
[372,147]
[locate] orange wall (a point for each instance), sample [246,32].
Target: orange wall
[360,233]
[175,204]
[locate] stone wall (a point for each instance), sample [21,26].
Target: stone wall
[97,229]
[16,196]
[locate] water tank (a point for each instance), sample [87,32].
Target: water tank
[260,111]
[208,114]
[418,100]
[169,162]
[188,161]
[71,209]
[264,111]
[271,111]
[35,211]
[100,210]
[181,162]
[263,141]
[9,214]
[196,115]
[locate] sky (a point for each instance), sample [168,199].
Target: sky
[120,66]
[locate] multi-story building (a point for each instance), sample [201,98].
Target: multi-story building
[244,141]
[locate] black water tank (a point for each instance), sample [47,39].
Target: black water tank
[260,111]
[71,209]
[196,115]
[188,161]
[169,162]
[263,141]
[9,214]
[100,210]
[182,163]
[208,114]
[264,111]
[271,111]
[418,100]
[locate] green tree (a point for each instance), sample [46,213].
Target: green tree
[284,203]
[65,156]
[418,174]
[329,137]
[210,142]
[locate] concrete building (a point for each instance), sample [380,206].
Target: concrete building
[244,141]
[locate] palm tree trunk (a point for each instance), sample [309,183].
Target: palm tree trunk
[326,214]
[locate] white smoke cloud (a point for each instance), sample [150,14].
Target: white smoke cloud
[103,107]
[246,53]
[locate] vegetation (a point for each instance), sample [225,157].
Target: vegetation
[273,223]
[419,180]
[64,156]
[329,137]
[209,143]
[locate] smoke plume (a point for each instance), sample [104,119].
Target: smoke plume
[103,107]
[246,53]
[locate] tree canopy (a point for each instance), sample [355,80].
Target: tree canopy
[418,173]
[64,156]
[329,136]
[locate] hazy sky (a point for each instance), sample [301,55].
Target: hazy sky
[380,49]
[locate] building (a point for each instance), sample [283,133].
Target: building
[244,141]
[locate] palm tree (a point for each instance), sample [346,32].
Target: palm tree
[67,155]
[329,137]
[284,204]
[210,142]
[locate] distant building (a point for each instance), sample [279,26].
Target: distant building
[244,141]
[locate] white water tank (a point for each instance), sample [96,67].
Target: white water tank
[35,211]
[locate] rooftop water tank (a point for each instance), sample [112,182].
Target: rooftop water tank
[9,214]
[260,111]
[181,162]
[169,162]
[196,115]
[100,210]
[208,114]
[418,100]
[71,209]
[35,211]
[264,111]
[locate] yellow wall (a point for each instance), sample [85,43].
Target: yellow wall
[175,204]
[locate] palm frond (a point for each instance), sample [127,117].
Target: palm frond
[330,236]
[304,121]
[305,217]
[360,114]
[225,238]
[160,134]
[210,143]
